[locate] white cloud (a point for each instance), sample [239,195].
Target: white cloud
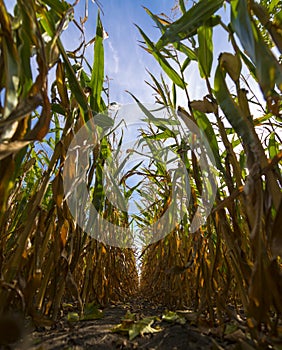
[112,59]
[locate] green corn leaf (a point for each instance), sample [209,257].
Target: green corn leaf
[120,199]
[48,22]
[162,136]
[173,317]
[105,149]
[73,317]
[186,25]
[84,79]
[164,121]
[97,76]
[242,25]
[205,51]
[249,64]
[182,6]
[129,193]
[57,128]
[103,121]
[229,108]
[74,84]
[205,125]
[156,19]
[193,56]
[278,19]
[235,142]
[261,120]
[179,46]
[57,108]
[242,160]
[273,4]
[57,5]
[25,32]
[99,193]
[172,74]
[273,148]
[122,165]
[159,88]
[92,312]
[185,64]
[151,118]
[11,75]
[268,70]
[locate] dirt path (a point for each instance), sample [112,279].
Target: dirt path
[98,334]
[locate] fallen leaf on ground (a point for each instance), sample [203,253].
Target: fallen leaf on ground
[135,328]
[172,316]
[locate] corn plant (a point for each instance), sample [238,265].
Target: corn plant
[235,257]
[46,257]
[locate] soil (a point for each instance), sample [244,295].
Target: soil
[98,334]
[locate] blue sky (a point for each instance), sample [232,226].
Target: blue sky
[125,61]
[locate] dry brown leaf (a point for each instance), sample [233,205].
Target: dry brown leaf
[204,106]
[12,147]
[235,336]
[232,65]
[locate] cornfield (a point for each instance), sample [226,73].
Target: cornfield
[231,264]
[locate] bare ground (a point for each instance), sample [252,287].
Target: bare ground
[98,334]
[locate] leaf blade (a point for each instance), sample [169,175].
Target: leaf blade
[186,25]
[172,74]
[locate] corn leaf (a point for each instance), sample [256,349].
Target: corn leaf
[97,76]
[162,136]
[61,85]
[75,87]
[273,146]
[172,74]
[185,26]
[182,6]
[205,125]
[242,25]
[25,32]
[59,6]
[156,19]
[268,70]
[144,326]
[229,108]
[192,55]
[205,51]
[11,63]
